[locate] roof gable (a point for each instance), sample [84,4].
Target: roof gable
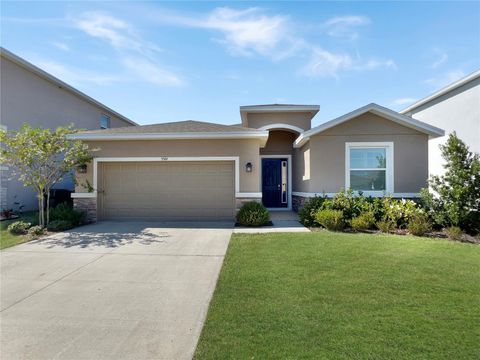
[54,80]
[381,111]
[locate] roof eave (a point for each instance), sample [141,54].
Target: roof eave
[441,92]
[169,136]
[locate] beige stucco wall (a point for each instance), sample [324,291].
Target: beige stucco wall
[28,98]
[458,110]
[279,143]
[247,150]
[327,153]
[299,119]
[301,168]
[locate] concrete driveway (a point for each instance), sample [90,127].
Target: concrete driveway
[112,290]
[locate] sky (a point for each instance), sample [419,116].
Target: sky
[170,61]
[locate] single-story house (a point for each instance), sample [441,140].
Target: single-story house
[198,170]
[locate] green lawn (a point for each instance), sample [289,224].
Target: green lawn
[335,296]
[7,239]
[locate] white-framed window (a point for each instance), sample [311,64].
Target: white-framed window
[104,121]
[369,167]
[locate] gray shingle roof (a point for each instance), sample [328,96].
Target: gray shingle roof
[188,126]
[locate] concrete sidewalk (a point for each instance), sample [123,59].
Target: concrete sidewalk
[111,290]
[283,221]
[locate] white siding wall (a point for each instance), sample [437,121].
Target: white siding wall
[457,111]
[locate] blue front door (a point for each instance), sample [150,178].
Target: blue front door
[274,183]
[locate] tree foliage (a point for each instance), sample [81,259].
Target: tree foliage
[41,158]
[455,196]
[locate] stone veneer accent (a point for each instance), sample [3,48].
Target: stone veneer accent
[298,202]
[89,206]
[240,201]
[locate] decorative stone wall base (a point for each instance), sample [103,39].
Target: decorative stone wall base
[298,202]
[89,206]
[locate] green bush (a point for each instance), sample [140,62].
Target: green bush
[455,196]
[66,213]
[60,225]
[349,204]
[35,231]
[18,227]
[364,221]
[330,219]
[309,209]
[419,225]
[253,214]
[386,226]
[454,233]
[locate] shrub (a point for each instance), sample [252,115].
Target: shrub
[309,209]
[18,227]
[66,213]
[253,214]
[351,205]
[364,221]
[35,231]
[7,213]
[60,225]
[330,219]
[454,233]
[386,226]
[419,225]
[455,197]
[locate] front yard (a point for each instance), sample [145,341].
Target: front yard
[7,239]
[331,295]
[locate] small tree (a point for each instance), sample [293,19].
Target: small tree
[455,200]
[41,158]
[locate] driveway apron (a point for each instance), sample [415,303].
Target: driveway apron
[112,290]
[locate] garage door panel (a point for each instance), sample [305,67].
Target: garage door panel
[167,190]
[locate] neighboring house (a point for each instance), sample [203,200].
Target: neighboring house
[197,170]
[453,108]
[30,95]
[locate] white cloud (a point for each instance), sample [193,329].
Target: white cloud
[74,76]
[445,79]
[403,101]
[252,31]
[134,53]
[324,64]
[152,72]
[244,32]
[345,26]
[120,34]
[60,45]
[441,59]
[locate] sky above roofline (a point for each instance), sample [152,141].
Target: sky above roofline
[163,62]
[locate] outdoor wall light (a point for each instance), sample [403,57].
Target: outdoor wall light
[248,167]
[82,169]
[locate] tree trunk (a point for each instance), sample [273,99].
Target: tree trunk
[48,206]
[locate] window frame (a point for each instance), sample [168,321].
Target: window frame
[389,152]
[108,125]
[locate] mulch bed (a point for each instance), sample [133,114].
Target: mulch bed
[434,234]
[244,226]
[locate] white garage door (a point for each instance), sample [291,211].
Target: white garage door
[166,190]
